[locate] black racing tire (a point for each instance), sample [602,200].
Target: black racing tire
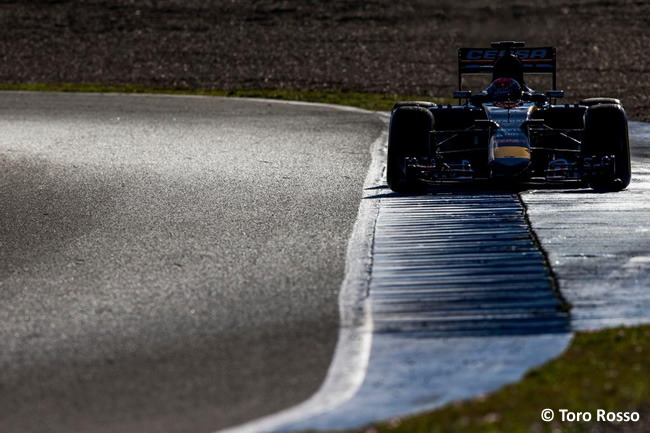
[590,102]
[409,136]
[423,104]
[606,133]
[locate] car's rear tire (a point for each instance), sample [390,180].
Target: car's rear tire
[606,133]
[589,102]
[409,136]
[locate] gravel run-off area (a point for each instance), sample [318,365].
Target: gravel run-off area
[376,46]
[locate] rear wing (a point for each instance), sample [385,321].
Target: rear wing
[539,60]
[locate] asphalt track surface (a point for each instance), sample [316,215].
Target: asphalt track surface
[170,263]
[156,275]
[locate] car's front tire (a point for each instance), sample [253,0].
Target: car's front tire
[590,102]
[606,133]
[423,104]
[409,136]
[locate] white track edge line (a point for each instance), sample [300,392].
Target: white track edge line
[348,368]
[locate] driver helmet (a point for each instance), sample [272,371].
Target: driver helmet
[505,89]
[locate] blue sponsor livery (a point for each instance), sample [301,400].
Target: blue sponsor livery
[491,54]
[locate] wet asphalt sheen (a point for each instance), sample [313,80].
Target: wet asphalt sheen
[598,243]
[168,263]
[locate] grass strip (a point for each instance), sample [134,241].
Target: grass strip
[606,369]
[368,101]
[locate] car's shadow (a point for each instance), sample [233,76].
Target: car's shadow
[490,188]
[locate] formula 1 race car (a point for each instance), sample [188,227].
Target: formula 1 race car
[508,131]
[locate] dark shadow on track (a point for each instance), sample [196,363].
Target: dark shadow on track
[492,188]
[41,213]
[461,262]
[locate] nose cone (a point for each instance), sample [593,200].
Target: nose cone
[509,160]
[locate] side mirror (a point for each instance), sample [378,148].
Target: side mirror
[462,94]
[555,94]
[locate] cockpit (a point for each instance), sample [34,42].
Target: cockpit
[507,86]
[504,89]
